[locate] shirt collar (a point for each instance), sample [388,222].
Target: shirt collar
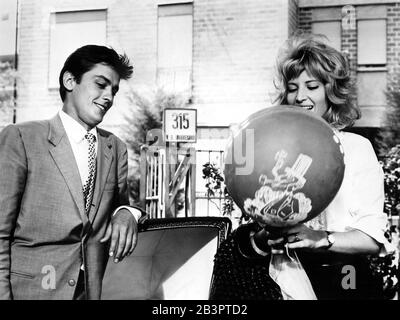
[74,129]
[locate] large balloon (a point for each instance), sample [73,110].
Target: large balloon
[284,163]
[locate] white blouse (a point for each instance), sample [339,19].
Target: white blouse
[357,205]
[360,199]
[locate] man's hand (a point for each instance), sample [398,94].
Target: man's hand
[123,231]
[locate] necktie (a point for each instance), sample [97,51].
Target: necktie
[88,188]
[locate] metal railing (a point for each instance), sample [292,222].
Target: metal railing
[161,187]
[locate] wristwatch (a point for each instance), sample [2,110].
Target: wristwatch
[331,239]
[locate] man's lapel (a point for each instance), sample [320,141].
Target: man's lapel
[104,160]
[61,151]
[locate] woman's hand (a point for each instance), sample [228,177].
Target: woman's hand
[300,237]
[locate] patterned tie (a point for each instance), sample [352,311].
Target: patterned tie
[88,188]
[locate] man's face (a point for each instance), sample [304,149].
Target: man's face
[90,99]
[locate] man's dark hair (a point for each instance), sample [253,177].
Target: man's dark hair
[83,60]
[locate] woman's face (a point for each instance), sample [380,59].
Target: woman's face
[307,92]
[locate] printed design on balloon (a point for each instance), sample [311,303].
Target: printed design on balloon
[277,198]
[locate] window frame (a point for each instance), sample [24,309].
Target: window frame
[174,10]
[52,83]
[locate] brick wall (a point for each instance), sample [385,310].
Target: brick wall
[235,46]
[371,116]
[393,41]
[34,97]
[131,28]
[234,51]
[349,47]
[293,16]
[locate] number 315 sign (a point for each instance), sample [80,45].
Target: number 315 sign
[180,125]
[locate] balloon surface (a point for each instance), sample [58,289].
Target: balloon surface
[285,164]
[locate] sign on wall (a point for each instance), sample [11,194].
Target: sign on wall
[180,125]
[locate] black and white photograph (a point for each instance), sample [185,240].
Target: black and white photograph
[204,156]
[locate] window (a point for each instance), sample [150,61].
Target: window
[71,30]
[8,28]
[371,42]
[175,36]
[371,86]
[371,61]
[331,30]
[327,22]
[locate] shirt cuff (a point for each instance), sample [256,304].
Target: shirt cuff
[135,212]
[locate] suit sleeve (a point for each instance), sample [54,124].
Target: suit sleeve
[123,191]
[13,171]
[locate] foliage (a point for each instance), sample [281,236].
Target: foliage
[145,115]
[389,135]
[391,168]
[215,183]
[7,77]
[385,267]
[388,142]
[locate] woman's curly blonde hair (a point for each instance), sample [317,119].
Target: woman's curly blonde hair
[329,66]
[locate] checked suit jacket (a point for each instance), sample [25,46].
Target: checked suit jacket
[43,224]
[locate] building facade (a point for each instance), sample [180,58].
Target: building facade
[219,54]
[369,33]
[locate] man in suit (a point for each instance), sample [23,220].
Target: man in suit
[63,189]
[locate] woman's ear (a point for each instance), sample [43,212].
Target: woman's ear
[68,80]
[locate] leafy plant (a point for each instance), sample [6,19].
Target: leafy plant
[385,267]
[391,168]
[8,76]
[143,117]
[215,184]
[389,135]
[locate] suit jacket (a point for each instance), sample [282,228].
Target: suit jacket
[45,234]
